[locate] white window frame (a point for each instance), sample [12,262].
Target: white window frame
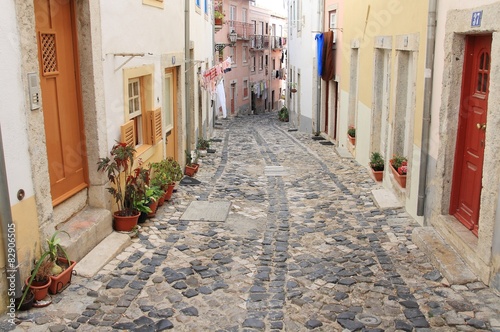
[333,24]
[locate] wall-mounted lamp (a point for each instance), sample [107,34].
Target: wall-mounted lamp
[232,36]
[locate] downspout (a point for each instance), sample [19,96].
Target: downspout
[187,74]
[426,118]
[8,233]
[321,5]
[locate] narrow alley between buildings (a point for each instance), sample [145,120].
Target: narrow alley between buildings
[301,246]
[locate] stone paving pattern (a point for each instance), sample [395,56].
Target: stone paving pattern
[305,251]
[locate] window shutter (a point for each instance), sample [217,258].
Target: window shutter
[155,126]
[128,133]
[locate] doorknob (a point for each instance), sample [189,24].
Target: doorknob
[481,126]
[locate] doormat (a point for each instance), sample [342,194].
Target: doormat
[189,181]
[207,211]
[326,143]
[318,138]
[292,129]
[211,150]
[216,140]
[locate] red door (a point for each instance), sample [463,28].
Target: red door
[469,155]
[60,86]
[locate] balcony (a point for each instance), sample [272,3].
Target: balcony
[242,29]
[256,42]
[277,43]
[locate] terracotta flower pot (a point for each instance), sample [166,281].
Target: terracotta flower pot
[351,139]
[189,170]
[60,281]
[39,289]
[161,200]
[169,191]
[125,223]
[377,175]
[153,206]
[401,179]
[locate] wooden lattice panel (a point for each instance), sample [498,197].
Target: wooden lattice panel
[49,54]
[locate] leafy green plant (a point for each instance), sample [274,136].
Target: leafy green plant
[283,114]
[46,266]
[202,144]
[376,161]
[165,172]
[351,131]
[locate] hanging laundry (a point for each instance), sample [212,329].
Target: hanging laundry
[221,98]
[328,57]
[319,52]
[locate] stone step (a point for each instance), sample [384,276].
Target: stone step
[86,229]
[105,251]
[385,199]
[443,256]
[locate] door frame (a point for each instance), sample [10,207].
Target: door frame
[82,148]
[463,120]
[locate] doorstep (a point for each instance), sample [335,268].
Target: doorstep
[443,256]
[86,230]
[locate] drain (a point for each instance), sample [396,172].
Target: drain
[368,320]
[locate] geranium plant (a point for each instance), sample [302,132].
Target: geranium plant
[400,164]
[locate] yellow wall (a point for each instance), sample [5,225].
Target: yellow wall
[25,219]
[366,19]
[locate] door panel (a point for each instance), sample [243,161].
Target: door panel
[469,156]
[60,86]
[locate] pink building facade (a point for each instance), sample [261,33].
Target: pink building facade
[254,83]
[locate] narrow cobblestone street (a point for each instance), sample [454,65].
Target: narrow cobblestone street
[304,247]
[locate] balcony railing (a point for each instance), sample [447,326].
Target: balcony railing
[243,29]
[256,42]
[277,43]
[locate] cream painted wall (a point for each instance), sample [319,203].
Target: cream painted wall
[13,115]
[15,144]
[147,29]
[406,23]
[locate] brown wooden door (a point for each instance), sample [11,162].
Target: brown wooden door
[60,86]
[469,155]
[233,96]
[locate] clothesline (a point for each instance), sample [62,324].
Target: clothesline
[210,77]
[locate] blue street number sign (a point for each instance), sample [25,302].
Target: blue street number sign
[476,19]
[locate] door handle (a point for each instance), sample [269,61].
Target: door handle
[481,126]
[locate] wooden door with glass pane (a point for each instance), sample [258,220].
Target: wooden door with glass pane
[61,98]
[170,112]
[469,155]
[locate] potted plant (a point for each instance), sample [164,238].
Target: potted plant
[293,87]
[399,168]
[351,135]
[164,175]
[120,173]
[377,165]
[218,17]
[202,145]
[283,114]
[189,170]
[52,272]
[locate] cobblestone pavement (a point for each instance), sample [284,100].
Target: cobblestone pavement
[304,250]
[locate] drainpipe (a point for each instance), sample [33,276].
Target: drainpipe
[188,73]
[8,230]
[426,118]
